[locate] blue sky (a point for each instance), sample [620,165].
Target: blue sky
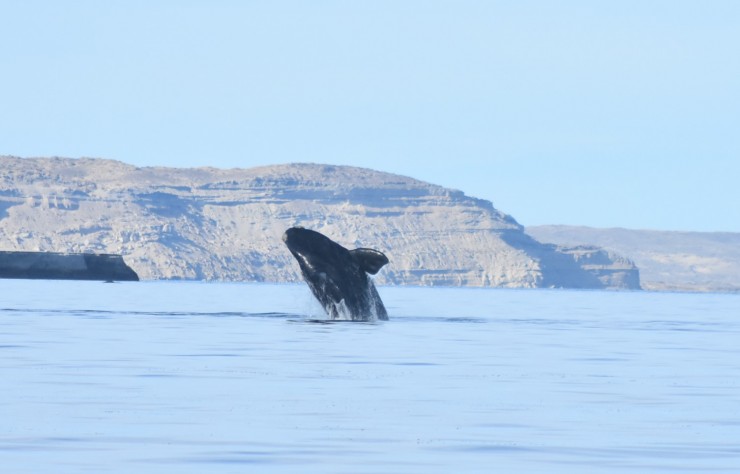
[601,113]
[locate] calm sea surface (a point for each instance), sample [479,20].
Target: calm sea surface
[179,377]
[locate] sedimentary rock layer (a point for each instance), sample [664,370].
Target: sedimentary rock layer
[219,224]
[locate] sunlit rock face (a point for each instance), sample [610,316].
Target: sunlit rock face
[218,224]
[668,260]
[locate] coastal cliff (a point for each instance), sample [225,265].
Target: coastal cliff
[668,261]
[65,266]
[217,224]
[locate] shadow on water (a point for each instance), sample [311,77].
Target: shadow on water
[95,313]
[311,320]
[551,323]
[289,317]
[442,319]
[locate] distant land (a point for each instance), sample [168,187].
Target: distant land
[226,224]
[681,261]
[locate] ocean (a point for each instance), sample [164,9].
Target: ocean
[193,377]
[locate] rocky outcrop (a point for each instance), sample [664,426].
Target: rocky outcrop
[65,266]
[217,224]
[683,261]
[608,269]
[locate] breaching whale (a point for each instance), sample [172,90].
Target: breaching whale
[338,276]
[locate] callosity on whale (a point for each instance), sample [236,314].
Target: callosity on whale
[338,276]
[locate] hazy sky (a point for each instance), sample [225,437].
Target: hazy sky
[600,113]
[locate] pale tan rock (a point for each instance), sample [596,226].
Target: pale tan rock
[218,224]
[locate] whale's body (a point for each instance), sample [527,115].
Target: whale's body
[338,277]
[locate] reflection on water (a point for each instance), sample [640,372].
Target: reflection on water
[195,377]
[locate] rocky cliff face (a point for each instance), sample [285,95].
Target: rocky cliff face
[209,223]
[683,261]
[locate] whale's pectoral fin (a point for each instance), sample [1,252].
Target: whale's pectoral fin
[369,260]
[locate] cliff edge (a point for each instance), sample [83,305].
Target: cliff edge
[65,266]
[668,260]
[217,224]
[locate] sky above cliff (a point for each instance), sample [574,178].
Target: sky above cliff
[606,114]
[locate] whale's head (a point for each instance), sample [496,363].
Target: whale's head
[314,251]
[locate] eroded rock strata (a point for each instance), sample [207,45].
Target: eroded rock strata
[226,224]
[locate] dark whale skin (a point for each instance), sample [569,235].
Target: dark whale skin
[338,277]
